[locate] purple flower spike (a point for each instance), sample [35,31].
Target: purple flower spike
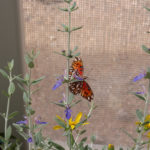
[40,122]
[58,83]
[68,113]
[30,140]
[140,76]
[139,92]
[22,122]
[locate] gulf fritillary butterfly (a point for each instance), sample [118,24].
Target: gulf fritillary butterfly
[77,87]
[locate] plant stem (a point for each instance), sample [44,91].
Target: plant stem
[138,143]
[7,113]
[6,122]
[68,65]
[29,116]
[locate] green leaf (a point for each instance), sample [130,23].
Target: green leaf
[68,1]
[11,88]
[63,9]
[23,81]
[60,122]
[128,134]
[148,9]
[76,28]
[18,127]
[57,146]
[93,138]
[66,28]
[82,132]
[139,96]
[59,104]
[147,50]
[25,97]
[71,97]
[29,61]
[21,87]
[12,115]
[73,6]
[75,103]
[77,54]
[140,115]
[11,65]
[2,115]
[4,74]
[8,132]
[76,47]
[38,80]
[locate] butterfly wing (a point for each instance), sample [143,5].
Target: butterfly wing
[76,87]
[76,67]
[86,91]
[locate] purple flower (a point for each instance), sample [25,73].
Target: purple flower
[140,76]
[139,92]
[37,120]
[68,113]
[40,122]
[30,140]
[22,122]
[58,83]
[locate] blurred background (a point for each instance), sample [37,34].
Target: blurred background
[110,45]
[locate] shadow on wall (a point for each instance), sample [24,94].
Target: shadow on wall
[11,47]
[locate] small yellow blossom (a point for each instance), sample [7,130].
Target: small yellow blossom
[72,124]
[147,125]
[110,147]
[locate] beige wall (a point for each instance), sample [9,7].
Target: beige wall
[110,46]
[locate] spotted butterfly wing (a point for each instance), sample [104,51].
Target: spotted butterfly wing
[83,88]
[76,87]
[76,67]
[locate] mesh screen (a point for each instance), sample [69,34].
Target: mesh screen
[110,45]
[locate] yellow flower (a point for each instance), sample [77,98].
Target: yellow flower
[110,147]
[72,124]
[147,125]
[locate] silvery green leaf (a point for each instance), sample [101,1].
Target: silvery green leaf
[4,74]
[11,88]
[3,115]
[147,50]
[77,54]
[25,97]
[38,80]
[76,28]
[12,115]
[73,6]
[140,115]
[147,8]
[11,65]
[63,9]
[8,132]
[139,96]
[66,28]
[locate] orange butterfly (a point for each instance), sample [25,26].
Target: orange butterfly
[77,87]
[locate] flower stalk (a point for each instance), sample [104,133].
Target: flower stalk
[141,128]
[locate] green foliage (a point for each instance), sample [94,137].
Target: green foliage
[140,115]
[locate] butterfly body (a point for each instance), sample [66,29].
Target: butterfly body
[80,86]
